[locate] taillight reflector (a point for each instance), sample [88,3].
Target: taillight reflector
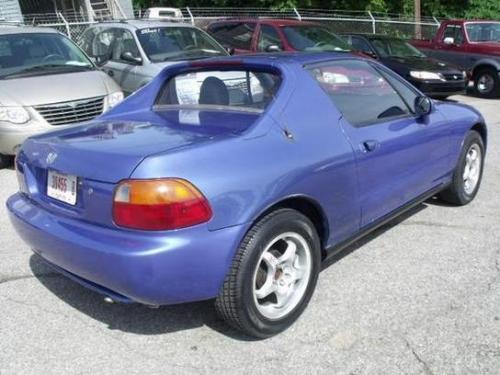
[162,204]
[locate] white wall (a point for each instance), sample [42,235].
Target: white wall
[10,10]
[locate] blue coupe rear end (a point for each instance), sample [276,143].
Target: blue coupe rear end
[164,198]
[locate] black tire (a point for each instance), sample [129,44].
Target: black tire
[236,303]
[491,75]
[5,161]
[456,193]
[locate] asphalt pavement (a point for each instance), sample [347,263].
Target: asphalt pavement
[419,296]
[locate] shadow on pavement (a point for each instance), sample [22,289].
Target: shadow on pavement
[139,319]
[132,318]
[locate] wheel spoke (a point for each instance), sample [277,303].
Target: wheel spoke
[282,296]
[466,172]
[289,254]
[271,262]
[268,287]
[299,273]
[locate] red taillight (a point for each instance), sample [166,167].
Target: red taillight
[164,204]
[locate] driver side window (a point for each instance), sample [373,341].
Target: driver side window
[102,46]
[360,92]
[455,32]
[123,42]
[268,36]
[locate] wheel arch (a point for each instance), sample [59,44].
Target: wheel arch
[481,129]
[485,64]
[307,206]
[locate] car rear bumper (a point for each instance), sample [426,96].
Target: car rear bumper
[154,268]
[441,88]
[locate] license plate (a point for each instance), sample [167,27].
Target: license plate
[62,187]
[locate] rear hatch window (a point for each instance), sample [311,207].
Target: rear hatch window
[242,90]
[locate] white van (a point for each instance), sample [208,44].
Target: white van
[170,14]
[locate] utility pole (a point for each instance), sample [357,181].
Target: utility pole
[418,19]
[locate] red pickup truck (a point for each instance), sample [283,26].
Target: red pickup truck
[472,45]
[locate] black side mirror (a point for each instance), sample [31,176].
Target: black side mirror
[423,106]
[273,48]
[128,57]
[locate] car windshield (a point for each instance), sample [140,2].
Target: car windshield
[483,32]
[177,44]
[386,47]
[28,54]
[242,90]
[314,38]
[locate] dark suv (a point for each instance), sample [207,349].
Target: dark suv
[274,35]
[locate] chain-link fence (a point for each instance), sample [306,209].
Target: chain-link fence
[73,24]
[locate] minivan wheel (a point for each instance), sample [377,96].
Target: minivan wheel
[5,161]
[273,275]
[468,173]
[487,83]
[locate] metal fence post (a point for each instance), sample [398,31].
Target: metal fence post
[299,17]
[190,15]
[374,23]
[66,24]
[90,10]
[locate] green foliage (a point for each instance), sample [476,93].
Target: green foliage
[439,8]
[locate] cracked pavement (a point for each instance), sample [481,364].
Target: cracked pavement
[419,296]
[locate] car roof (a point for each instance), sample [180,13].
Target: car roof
[21,29]
[270,21]
[143,24]
[280,58]
[372,36]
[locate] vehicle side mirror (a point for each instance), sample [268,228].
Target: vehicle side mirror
[422,106]
[273,48]
[128,57]
[449,40]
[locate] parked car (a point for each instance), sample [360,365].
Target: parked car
[472,45]
[433,77]
[163,13]
[133,52]
[240,198]
[274,35]
[46,83]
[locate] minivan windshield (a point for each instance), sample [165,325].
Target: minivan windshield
[314,39]
[393,47]
[30,54]
[483,31]
[177,44]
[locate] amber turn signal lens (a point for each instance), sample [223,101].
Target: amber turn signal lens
[162,204]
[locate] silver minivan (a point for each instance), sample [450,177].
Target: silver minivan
[46,83]
[135,51]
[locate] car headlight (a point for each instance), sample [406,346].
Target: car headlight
[14,115]
[115,98]
[426,75]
